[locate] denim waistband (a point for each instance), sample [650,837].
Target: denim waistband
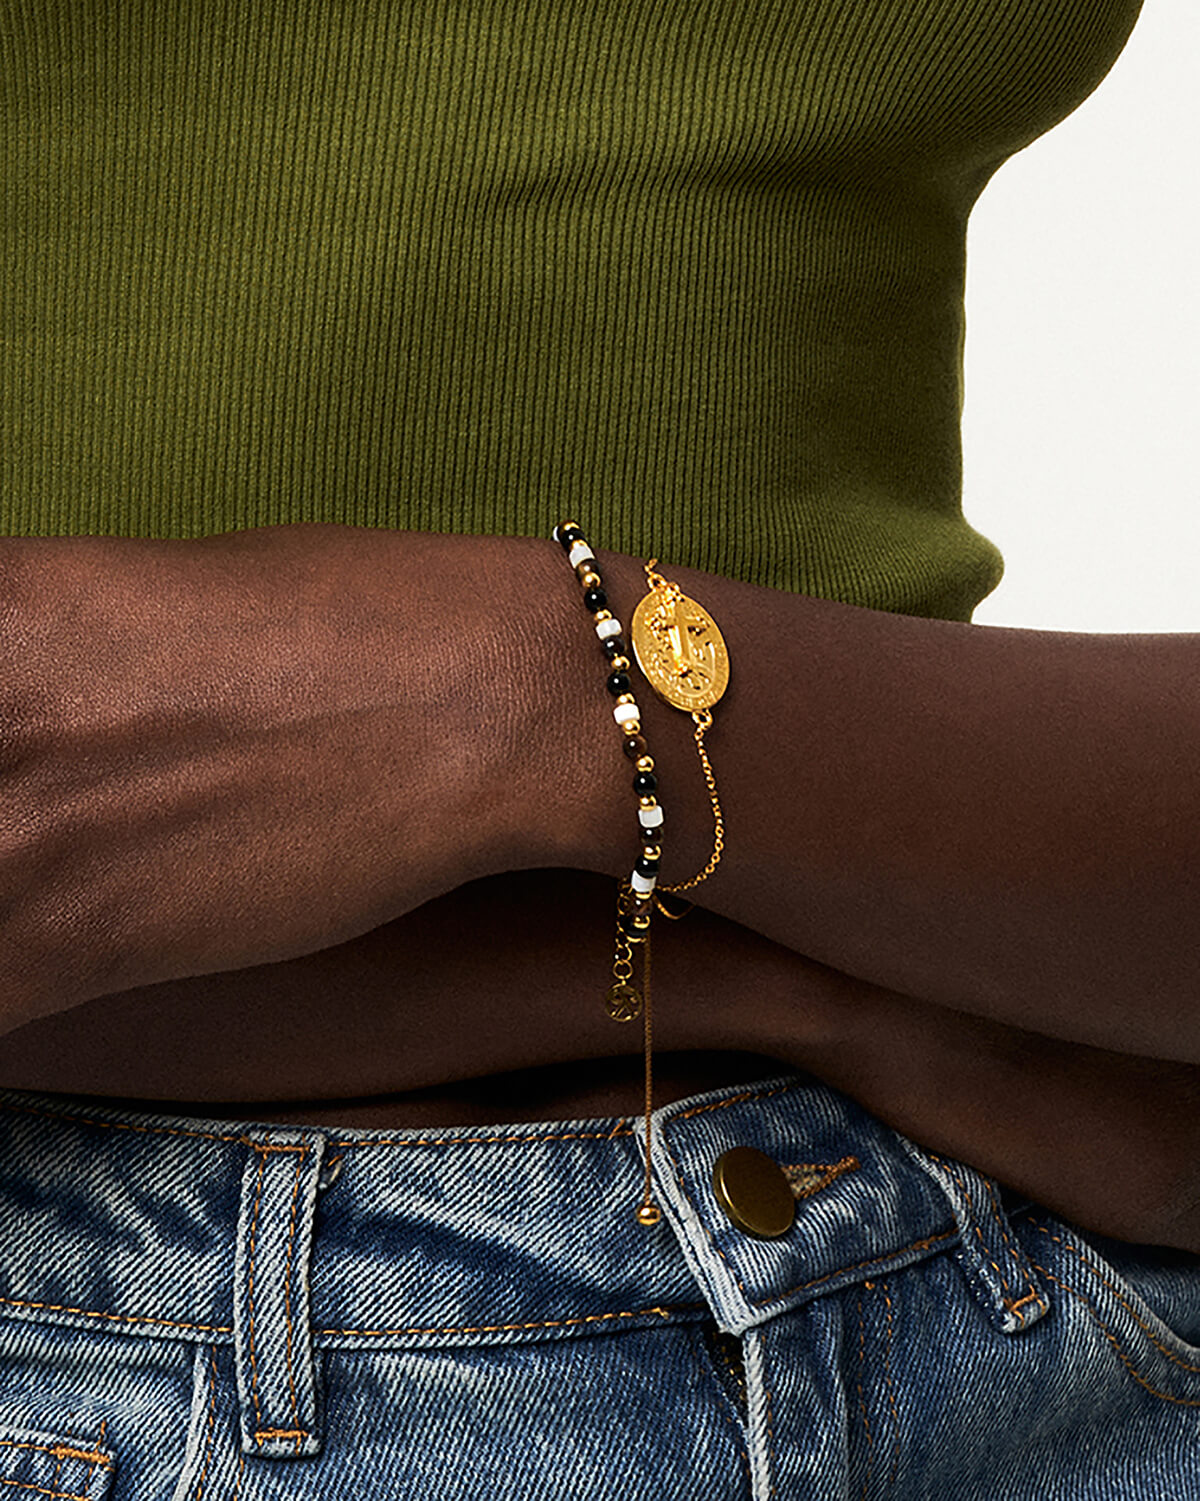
[278,1238]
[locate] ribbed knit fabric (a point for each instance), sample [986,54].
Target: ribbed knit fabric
[692,272]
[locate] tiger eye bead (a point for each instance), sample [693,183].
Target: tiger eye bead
[586,573]
[635,747]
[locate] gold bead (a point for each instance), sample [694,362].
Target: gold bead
[645,763]
[652,851]
[589,579]
[619,664]
[649,1214]
[648,802]
[626,698]
[602,615]
[632,727]
[569,526]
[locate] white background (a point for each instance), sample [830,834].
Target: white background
[1082,415]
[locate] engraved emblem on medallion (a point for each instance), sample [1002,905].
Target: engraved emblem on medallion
[680,650]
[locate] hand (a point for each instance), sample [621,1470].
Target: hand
[237,750]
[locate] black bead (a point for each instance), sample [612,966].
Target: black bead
[635,746]
[613,646]
[568,536]
[595,599]
[618,682]
[651,836]
[646,867]
[645,782]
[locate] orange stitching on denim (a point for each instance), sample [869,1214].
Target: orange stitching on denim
[917,1245]
[237,1485]
[263,1434]
[56,1478]
[737,1099]
[808,1178]
[589,1318]
[23,1485]
[862,1406]
[287,1296]
[891,1390]
[1116,1292]
[1017,1305]
[1112,1339]
[125,1318]
[971,1206]
[212,1407]
[1015,1251]
[267,1146]
[60,1451]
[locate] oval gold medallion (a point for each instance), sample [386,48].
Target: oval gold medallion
[680,650]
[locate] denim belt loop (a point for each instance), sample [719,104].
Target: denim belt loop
[278,1391]
[998,1272]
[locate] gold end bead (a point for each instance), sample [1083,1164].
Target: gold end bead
[649,1214]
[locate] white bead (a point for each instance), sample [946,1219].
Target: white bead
[623,713]
[579,551]
[606,628]
[643,885]
[650,818]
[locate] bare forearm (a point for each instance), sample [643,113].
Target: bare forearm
[1004,822]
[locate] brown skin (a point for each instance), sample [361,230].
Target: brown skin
[199,826]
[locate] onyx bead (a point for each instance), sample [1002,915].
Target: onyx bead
[644,782]
[568,536]
[617,683]
[614,646]
[595,598]
[635,746]
[645,866]
[650,836]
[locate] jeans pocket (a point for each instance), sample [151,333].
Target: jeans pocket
[56,1464]
[1142,1302]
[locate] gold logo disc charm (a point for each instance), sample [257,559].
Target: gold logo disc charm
[679,648]
[623,1002]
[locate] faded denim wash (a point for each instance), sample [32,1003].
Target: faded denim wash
[214,1311]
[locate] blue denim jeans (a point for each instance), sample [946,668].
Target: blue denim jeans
[197,1309]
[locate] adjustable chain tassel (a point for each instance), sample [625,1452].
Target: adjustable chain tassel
[624,1003]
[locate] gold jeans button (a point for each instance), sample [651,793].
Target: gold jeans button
[754,1192]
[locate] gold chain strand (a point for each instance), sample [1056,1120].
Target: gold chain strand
[648,1212]
[703,722]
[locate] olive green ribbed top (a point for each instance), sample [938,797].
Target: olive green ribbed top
[691,272]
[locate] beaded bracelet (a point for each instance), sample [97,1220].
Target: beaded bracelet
[680,650]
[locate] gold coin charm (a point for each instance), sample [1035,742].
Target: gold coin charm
[679,648]
[623,1002]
